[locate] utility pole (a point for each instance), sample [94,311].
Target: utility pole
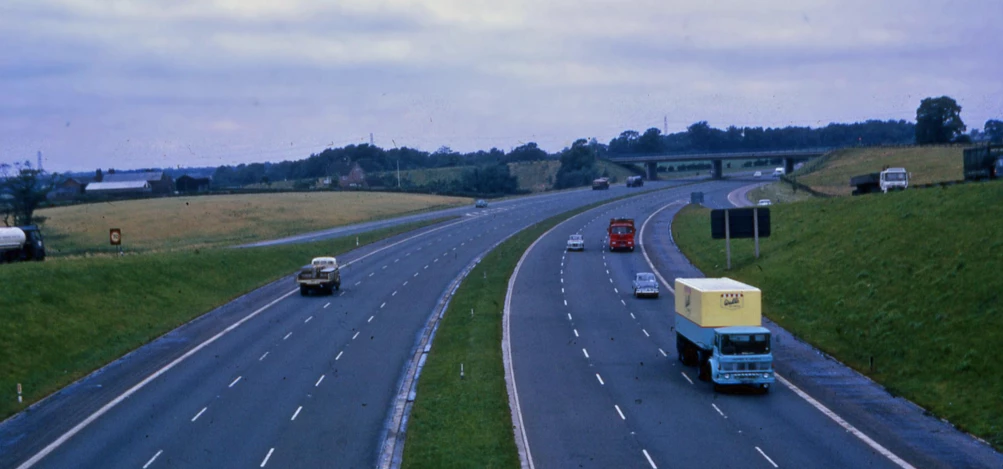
[665,125]
[371,140]
[39,160]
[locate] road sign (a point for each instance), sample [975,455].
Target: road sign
[741,223]
[115,236]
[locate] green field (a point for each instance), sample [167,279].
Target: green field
[909,278]
[927,164]
[61,320]
[173,223]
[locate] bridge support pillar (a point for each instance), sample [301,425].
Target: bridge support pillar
[716,172]
[652,168]
[788,165]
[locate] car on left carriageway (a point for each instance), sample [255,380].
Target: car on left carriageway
[576,242]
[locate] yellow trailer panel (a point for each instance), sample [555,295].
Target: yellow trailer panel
[718,302]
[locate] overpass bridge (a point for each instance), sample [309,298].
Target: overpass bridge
[789,156]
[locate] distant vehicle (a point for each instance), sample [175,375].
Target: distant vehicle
[576,242]
[719,329]
[22,243]
[884,181]
[322,274]
[984,162]
[600,184]
[481,203]
[894,179]
[635,181]
[645,284]
[621,234]
[764,202]
[757,174]
[778,172]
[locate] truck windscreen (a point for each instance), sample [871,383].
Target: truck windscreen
[745,344]
[621,230]
[895,177]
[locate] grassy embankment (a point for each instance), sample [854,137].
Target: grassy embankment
[910,279]
[467,423]
[175,223]
[831,174]
[61,320]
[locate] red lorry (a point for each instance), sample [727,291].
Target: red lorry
[621,234]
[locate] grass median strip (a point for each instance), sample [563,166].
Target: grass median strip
[910,279]
[62,319]
[460,423]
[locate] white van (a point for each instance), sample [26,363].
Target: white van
[778,172]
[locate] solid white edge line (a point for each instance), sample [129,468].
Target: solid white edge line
[687,377]
[104,409]
[646,455]
[267,456]
[846,425]
[767,457]
[154,458]
[640,240]
[196,417]
[298,409]
[818,405]
[622,417]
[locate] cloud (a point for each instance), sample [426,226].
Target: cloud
[227,81]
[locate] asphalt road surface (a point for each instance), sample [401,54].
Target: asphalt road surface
[275,379]
[599,383]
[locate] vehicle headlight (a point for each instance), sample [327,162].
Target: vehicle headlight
[766,375]
[727,376]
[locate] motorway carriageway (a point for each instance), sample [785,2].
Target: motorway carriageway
[599,384]
[274,379]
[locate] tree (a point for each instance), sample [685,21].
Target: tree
[938,120]
[25,189]
[527,152]
[577,165]
[994,129]
[651,142]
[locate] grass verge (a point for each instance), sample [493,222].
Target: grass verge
[778,192]
[61,320]
[467,423]
[910,279]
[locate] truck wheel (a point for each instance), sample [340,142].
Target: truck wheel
[680,348]
[337,286]
[303,290]
[704,373]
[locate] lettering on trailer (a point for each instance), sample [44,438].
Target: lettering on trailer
[732,301]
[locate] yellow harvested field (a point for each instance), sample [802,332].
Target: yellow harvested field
[927,164]
[205,221]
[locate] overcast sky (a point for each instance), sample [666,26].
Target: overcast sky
[158,83]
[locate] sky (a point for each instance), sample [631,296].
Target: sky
[166,83]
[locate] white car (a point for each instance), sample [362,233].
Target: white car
[576,242]
[645,285]
[758,174]
[764,202]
